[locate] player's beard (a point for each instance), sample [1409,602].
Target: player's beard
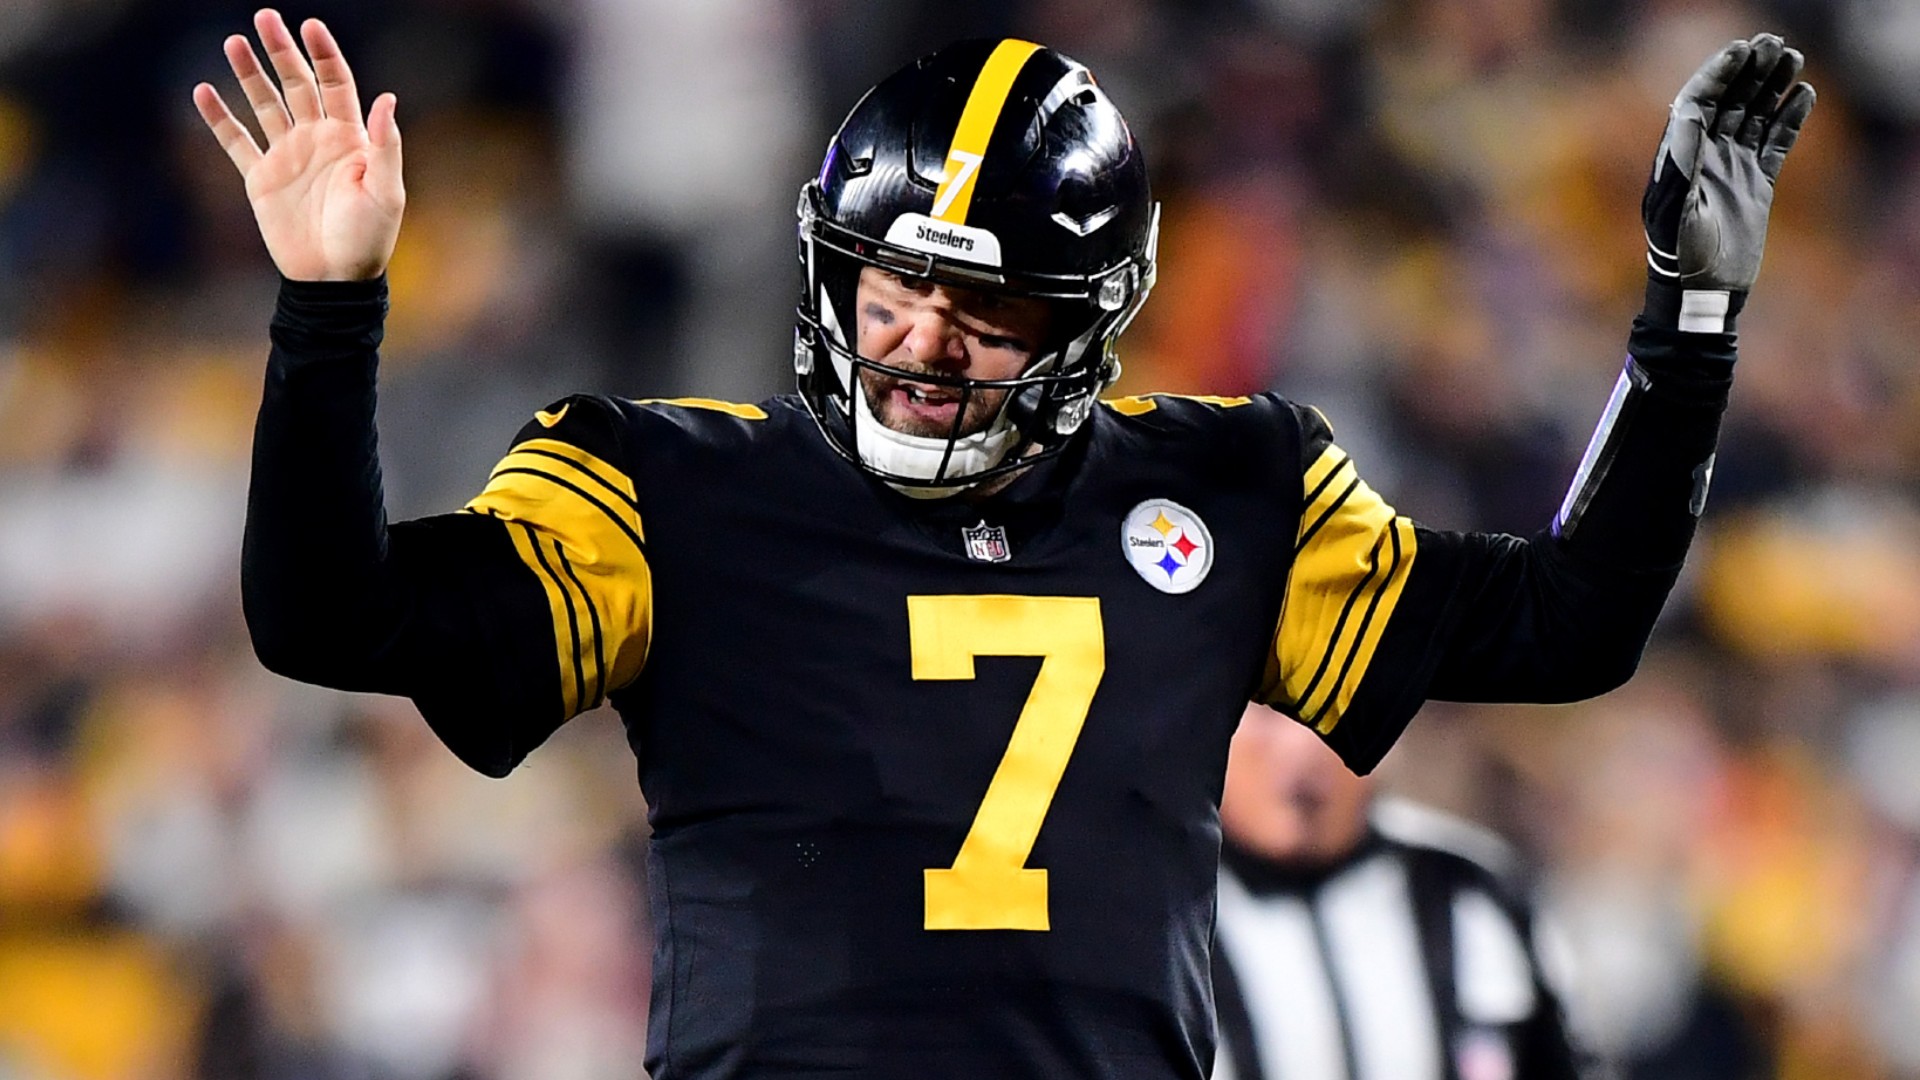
[884,392]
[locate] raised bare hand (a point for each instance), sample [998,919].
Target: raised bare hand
[327,192]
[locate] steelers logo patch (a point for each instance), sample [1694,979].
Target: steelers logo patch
[1168,545]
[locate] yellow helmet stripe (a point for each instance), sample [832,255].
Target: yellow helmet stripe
[989,96]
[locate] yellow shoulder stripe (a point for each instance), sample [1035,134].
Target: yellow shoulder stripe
[744,412]
[1352,558]
[1328,483]
[969,147]
[1140,404]
[603,474]
[540,478]
[576,525]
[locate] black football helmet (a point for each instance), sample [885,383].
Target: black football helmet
[991,165]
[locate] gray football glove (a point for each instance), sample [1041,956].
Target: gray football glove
[1705,210]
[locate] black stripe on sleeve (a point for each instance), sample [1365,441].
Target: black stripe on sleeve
[1373,606]
[603,481]
[638,543]
[593,617]
[1307,537]
[1325,480]
[1346,610]
[573,620]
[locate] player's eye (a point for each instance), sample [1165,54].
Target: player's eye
[1001,341]
[916,286]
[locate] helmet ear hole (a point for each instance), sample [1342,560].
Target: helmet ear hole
[1072,413]
[1024,406]
[803,358]
[1048,412]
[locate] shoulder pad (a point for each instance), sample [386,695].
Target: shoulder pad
[702,421]
[1138,404]
[743,412]
[591,422]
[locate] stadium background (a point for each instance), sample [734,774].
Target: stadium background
[1419,214]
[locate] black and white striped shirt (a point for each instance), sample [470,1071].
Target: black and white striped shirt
[1412,959]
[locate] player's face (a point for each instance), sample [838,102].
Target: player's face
[919,326]
[1289,797]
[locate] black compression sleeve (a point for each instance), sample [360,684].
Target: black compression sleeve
[440,610]
[1566,614]
[313,563]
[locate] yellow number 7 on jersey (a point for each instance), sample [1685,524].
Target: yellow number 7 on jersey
[989,886]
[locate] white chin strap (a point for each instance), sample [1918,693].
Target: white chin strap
[888,451]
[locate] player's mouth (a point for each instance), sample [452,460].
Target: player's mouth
[933,405]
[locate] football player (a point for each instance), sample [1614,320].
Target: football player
[930,668]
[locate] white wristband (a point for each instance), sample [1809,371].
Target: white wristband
[1704,311]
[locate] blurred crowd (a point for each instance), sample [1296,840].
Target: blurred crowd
[1419,215]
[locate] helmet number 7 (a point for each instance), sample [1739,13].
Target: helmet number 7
[956,182]
[989,886]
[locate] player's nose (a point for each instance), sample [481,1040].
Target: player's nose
[933,339]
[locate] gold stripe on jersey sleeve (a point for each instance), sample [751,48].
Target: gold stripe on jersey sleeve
[1140,404]
[590,654]
[1351,562]
[576,525]
[969,147]
[744,412]
[527,542]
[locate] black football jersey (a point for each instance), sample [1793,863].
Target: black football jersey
[934,783]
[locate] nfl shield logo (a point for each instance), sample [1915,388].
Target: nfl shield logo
[987,543]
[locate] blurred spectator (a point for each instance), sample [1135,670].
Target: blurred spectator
[686,152]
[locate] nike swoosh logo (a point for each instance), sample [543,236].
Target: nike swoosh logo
[548,419]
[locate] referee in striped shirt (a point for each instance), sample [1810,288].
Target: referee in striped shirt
[1369,939]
